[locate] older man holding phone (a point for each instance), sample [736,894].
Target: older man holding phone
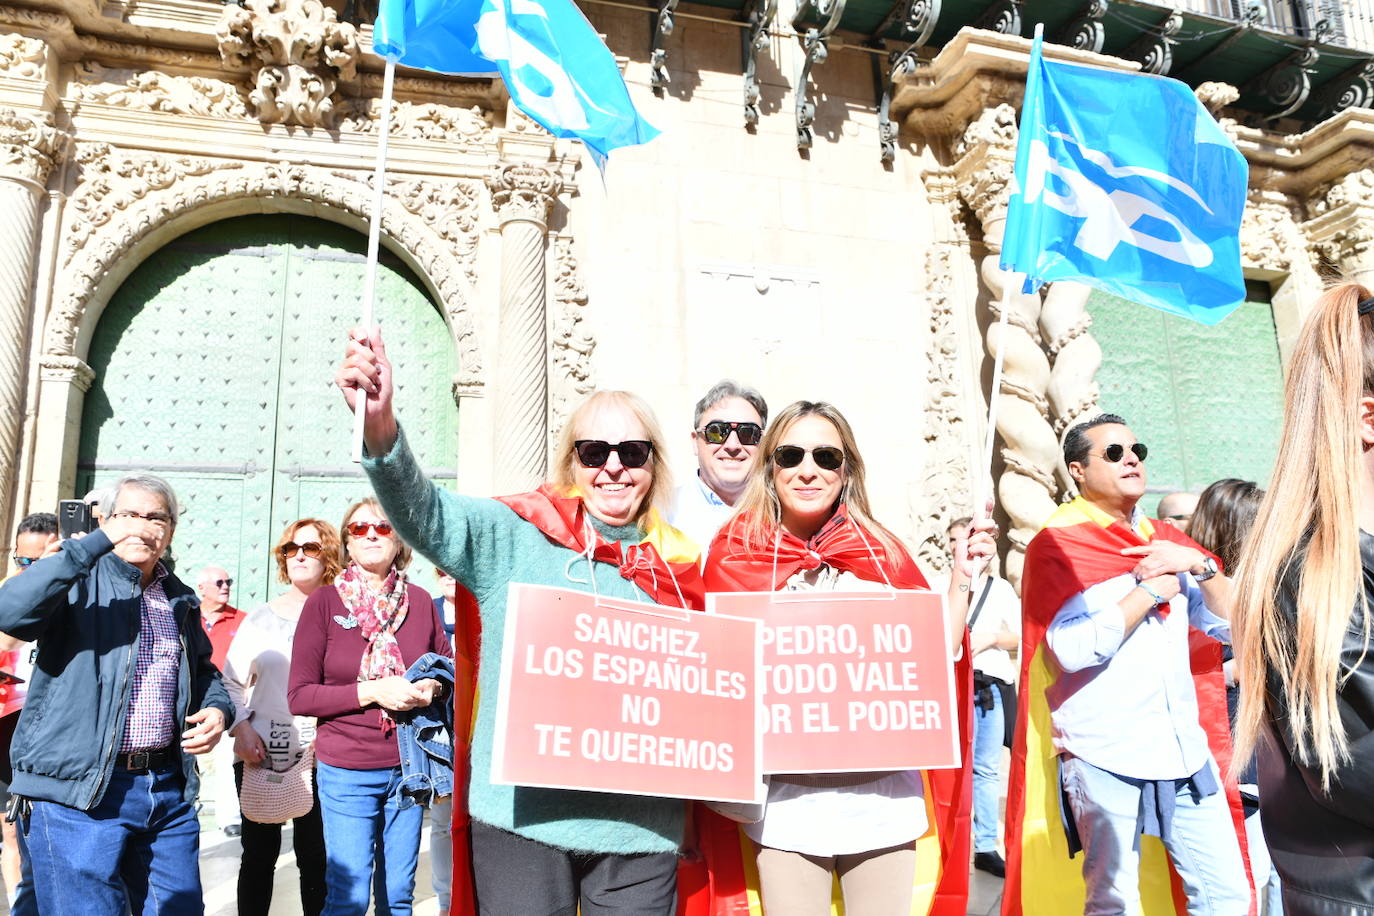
[123,696]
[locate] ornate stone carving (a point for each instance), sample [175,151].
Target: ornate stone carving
[121,198]
[1355,188]
[468,129]
[22,56]
[450,209]
[523,191]
[55,368]
[1215,96]
[300,52]
[150,90]
[1270,236]
[1074,359]
[990,142]
[30,146]
[570,340]
[1342,227]
[35,19]
[945,473]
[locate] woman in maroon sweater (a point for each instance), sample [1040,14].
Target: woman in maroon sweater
[353,644]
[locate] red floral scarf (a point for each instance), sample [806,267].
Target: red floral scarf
[379,616]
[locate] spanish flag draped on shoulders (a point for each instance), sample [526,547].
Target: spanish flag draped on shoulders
[725,882]
[1079,547]
[664,565]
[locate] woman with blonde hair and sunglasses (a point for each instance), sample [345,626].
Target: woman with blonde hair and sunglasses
[267,737]
[594,527]
[1302,628]
[804,524]
[355,642]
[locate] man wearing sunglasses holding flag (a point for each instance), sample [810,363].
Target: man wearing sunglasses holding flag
[726,428]
[1123,734]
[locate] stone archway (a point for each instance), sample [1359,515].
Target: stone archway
[127,204]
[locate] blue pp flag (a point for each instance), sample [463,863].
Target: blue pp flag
[1126,183]
[555,67]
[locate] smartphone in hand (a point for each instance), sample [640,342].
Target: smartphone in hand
[73,518]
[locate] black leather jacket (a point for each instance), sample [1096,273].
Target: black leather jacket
[1323,842]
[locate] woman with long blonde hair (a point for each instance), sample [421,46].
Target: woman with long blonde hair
[1302,628]
[804,524]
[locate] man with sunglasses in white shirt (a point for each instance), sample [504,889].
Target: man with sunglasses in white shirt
[1116,596]
[726,428]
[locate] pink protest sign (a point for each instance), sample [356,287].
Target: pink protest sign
[622,696]
[852,682]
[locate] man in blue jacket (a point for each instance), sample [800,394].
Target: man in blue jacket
[123,695]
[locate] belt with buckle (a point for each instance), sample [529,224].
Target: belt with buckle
[137,761]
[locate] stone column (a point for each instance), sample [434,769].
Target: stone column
[522,194]
[29,148]
[1027,487]
[1074,356]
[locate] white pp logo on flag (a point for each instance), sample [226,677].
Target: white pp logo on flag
[1112,217]
[559,103]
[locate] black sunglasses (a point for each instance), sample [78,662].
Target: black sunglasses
[593,453]
[718,431]
[827,457]
[1116,451]
[25,562]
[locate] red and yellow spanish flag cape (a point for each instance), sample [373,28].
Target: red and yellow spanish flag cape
[664,565]
[1081,546]
[723,880]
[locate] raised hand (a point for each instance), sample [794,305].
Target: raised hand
[366,370]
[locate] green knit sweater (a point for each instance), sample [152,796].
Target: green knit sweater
[486,546]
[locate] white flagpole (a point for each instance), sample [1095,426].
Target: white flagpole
[374,239]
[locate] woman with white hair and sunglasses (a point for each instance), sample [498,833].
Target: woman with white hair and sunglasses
[804,524]
[594,527]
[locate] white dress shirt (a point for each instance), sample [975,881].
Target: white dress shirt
[698,513]
[836,821]
[1128,705]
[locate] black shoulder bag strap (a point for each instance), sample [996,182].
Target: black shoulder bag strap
[982,598]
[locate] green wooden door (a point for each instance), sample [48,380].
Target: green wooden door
[214,365]
[1207,401]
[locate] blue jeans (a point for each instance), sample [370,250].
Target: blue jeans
[137,851]
[25,898]
[371,840]
[1202,844]
[988,730]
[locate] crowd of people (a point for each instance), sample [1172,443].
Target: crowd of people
[1188,703]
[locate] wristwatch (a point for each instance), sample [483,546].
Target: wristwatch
[1209,569]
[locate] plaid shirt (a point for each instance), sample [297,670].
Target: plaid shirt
[151,723]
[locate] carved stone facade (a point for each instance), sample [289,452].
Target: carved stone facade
[299,54]
[1027,487]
